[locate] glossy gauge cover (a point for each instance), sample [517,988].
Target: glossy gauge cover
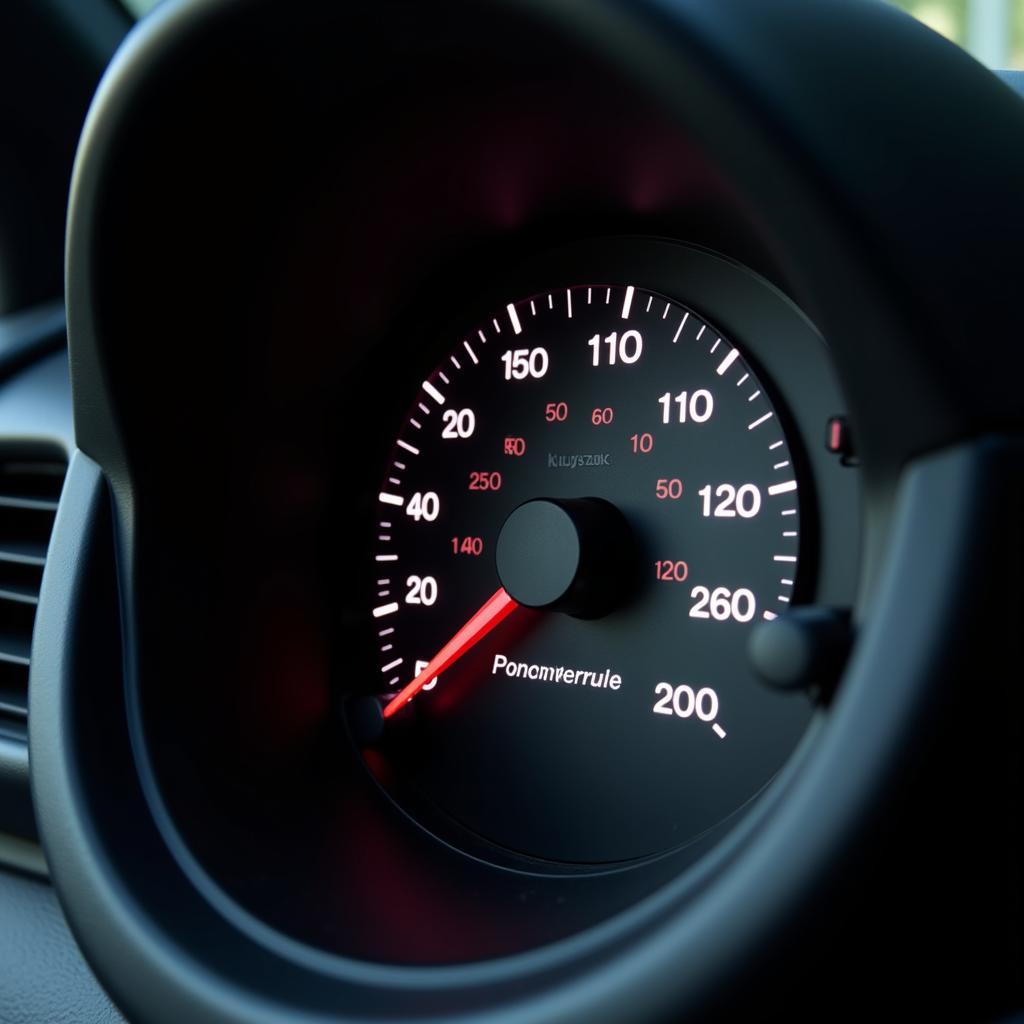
[617,463]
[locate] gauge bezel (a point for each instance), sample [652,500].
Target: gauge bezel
[754,307]
[779,344]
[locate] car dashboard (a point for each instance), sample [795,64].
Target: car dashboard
[517,518]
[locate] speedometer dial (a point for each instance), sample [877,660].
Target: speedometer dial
[590,503]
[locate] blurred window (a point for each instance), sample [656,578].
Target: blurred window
[140,8]
[992,30]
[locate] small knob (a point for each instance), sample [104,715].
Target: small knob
[803,649]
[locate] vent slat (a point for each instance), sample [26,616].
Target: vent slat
[15,649]
[23,552]
[32,479]
[11,708]
[32,504]
[29,494]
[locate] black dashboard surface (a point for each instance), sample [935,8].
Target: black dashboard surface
[254,295]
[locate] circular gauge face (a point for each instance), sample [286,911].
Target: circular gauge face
[591,503]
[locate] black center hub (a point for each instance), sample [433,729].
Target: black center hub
[571,555]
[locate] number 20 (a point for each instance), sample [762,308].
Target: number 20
[458,423]
[422,590]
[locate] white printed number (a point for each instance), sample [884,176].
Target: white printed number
[521,363]
[458,423]
[420,666]
[684,702]
[743,501]
[626,348]
[696,407]
[722,604]
[422,590]
[425,505]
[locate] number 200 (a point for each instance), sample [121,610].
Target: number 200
[683,702]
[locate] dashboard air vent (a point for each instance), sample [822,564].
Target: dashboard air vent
[29,492]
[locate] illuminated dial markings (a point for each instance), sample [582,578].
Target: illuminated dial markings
[620,396]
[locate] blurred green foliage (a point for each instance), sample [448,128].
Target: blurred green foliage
[993,30]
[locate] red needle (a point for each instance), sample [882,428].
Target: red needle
[495,610]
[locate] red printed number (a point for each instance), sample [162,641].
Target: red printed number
[485,481]
[672,490]
[671,571]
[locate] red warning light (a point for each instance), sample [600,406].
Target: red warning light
[837,436]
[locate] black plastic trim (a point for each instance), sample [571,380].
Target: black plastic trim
[15,799]
[43,977]
[22,854]
[878,722]
[35,419]
[26,336]
[748,79]
[52,53]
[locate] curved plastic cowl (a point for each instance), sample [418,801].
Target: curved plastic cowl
[161,951]
[775,80]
